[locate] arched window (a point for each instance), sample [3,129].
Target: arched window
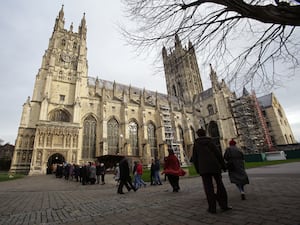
[89,138]
[113,136]
[152,139]
[213,131]
[181,136]
[63,42]
[193,134]
[59,115]
[279,112]
[75,45]
[180,89]
[133,137]
[210,110]
[174,90]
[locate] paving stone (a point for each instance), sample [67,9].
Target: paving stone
[273,197]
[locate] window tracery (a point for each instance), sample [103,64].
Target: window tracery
[89,138]
[133,137]
[113,136]
[152,140]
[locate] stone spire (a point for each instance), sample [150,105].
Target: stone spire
[60,21]
[82,28]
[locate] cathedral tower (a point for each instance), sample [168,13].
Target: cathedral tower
[50,122]
[182,73]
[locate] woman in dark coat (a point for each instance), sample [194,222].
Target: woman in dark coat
[209,163]
[237,173]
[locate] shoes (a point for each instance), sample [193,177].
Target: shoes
[243,196]
[211,211]
[135,189]
[122,193]
[227,208]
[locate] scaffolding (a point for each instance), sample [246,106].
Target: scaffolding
[248,124]
[263,122]
[169,133]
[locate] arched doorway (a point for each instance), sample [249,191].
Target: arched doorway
[53,161]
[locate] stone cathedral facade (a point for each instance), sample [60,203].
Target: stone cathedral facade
[74,118]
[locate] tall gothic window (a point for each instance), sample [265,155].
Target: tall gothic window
[133,137]
[174,90]
[113,136]
[59,115]
[152,140]
[181,136]
[180,89]
[193,134]
[89,138]
[210,110]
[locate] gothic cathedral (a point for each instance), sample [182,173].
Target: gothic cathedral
[75,118]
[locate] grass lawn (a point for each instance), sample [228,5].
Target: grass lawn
[4,176]
[249,165]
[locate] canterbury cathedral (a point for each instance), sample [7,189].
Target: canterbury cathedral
[72,117]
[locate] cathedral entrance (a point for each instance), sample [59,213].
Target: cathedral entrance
[53,161]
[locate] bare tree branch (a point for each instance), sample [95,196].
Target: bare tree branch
[250,39]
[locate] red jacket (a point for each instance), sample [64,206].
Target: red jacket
[172,166]
[139,169]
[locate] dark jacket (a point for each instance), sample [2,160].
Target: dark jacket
[237,175]
[124,170]
[207,158]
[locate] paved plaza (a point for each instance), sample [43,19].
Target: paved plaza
[273,198]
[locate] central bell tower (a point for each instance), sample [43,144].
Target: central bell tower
[182,74]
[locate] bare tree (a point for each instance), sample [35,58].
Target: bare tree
[248,40]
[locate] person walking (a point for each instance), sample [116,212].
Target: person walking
[125,178]
[102,173]
[138,173]
[117,174]
[98,172]
[92,173]
[208,161]
[237,173]
[152,171]
[156,171]
[173,170]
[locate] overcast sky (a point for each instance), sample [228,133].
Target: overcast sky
[26,27]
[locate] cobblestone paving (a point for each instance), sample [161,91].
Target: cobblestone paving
[273,198]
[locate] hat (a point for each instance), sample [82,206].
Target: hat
[232,142]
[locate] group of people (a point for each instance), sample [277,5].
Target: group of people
[209,163]
[207,159]
[172,170]
[89,173]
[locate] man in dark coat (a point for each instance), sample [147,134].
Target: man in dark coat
[209,163]
[125,178]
